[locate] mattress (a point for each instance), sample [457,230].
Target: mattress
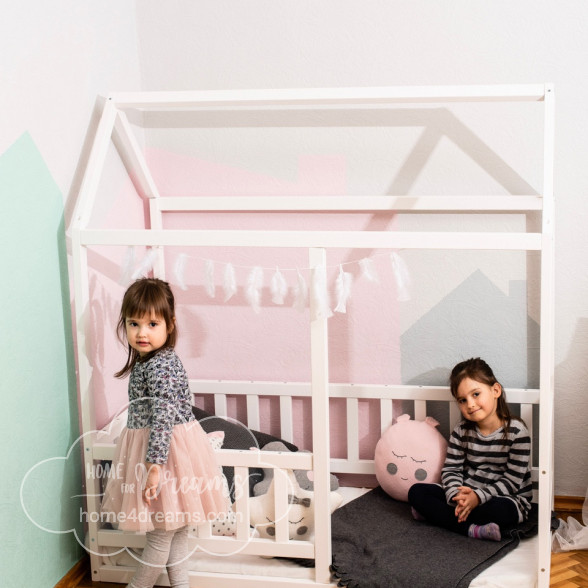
[515,570]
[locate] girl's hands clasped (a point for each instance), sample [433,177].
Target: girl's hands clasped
[466,500]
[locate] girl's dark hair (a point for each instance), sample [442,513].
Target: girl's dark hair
[477,369]
[146,296]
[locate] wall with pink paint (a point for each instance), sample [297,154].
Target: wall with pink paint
[261,43]
[359,152]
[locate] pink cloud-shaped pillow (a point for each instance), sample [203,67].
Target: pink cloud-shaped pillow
[409,452]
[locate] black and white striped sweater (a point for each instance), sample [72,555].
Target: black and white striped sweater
[493,465]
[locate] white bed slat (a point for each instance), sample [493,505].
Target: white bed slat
[527,416]
[352,429]
[319,352]
[546,344]
[382,203]
[203,531]
[286,422]
[386,413]
[95,165]
[323,97]
[360,391]
[220,405]
[253,417]
[132,157]
[156,220]
[241,493]
[281,487]
[346,466]
[420,410]
[316,239]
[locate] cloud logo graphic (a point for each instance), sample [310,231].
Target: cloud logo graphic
[59,478]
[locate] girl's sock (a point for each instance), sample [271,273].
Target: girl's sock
[416,515]
[490,531]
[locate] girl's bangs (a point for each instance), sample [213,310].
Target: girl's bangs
[146,305]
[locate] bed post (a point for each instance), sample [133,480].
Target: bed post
[81,288]
[319,351]
[546,383]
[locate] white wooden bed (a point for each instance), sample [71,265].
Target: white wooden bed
[114,126]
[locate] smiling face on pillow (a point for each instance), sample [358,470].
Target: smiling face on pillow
[409,452]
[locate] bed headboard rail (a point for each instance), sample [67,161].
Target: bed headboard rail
[390,401]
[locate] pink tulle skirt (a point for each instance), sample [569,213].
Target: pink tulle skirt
[190,490]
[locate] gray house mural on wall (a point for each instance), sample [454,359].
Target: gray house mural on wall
[476,319]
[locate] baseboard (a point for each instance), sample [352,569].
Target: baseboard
[568,503]
[75,575]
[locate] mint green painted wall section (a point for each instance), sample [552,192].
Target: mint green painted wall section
[38,391]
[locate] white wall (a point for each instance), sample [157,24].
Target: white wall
[55,58]
[228,44]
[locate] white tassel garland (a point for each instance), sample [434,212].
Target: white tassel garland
[401,276]
[145,266]
[279,287]
[300,292]
[320,294]
[179,270]
[253,290]
[128,265]
[343,289]
[368,270]
[209,277]
[230,282]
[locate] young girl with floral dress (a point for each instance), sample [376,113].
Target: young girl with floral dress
[164,476]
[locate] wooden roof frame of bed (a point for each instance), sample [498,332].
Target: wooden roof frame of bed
[114,127]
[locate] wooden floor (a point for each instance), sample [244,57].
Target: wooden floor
[569,569]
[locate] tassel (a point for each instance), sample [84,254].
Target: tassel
[368,270]
[209,277]
[253,291]
[146,265]
[343,289]
[127,268]
[279,287]
[179,270]
[401,276]
[300,292]
[320,294]
[230,283]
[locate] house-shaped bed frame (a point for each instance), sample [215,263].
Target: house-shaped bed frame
[114,127]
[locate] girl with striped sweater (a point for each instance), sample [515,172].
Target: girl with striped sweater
[486,480]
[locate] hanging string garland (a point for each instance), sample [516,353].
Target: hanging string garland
[127,267]
[230,282]
[368,270]
[146,265]
[278,287]
[300,292]
[209,277]
[180,269]
[278,284]
[320,293]
[253,290]
[401,276]
[343,289]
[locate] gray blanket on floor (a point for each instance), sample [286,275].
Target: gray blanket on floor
[377,544]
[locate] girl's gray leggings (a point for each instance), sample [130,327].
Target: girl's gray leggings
[163,548]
